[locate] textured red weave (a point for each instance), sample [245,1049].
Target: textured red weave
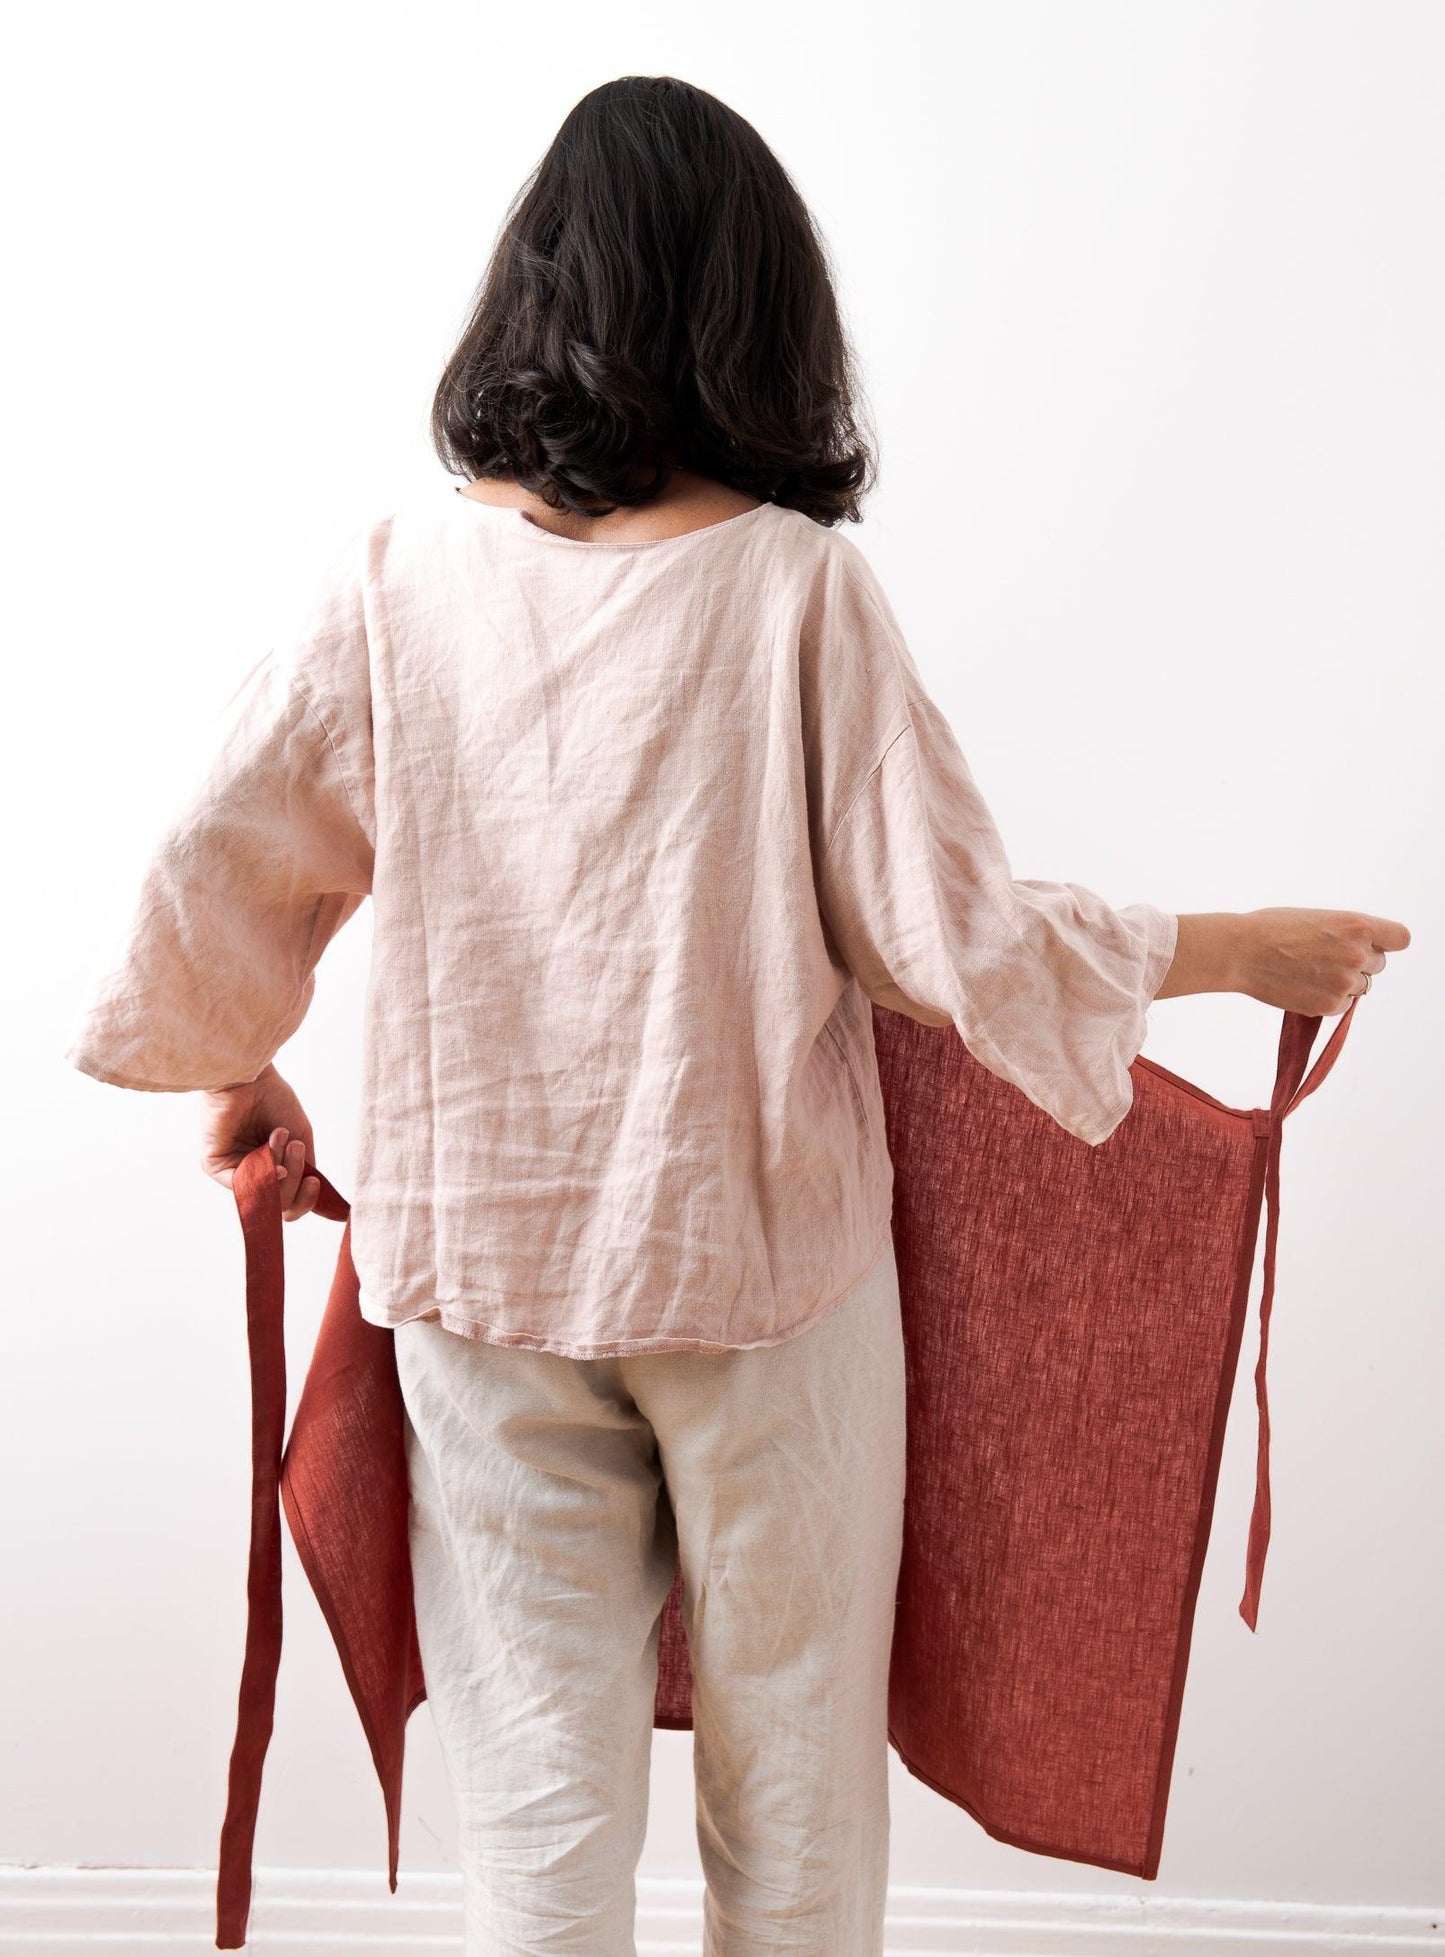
[1072,1320]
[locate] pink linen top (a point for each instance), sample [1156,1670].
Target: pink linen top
[645,826]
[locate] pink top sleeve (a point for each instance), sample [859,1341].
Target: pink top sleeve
[253,877]
[1046,983]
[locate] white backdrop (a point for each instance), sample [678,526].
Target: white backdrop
[1150,308]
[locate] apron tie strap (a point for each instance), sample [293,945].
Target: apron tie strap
[258,1200]
[1297,1036]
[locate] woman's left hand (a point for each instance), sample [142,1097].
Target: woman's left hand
[237,1119]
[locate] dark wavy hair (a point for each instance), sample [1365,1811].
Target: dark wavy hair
[659,297]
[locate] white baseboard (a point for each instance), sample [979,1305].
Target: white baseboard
[82,1912]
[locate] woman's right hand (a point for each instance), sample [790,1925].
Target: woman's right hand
[1305,961]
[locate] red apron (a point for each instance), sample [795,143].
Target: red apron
[1072,1320]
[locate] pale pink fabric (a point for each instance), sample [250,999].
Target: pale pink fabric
[645,825]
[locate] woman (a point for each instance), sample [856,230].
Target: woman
[622,739]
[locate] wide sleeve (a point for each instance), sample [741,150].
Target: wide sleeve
[256,873]
[1047,984]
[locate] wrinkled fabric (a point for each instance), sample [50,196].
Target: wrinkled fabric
[646,826]
[552,1503]
[1071,1321]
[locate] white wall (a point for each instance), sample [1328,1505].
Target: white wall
[1149,300]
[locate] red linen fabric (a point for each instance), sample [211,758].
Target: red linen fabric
[1072,1317]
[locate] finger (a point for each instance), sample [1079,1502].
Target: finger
[295,1163]
[305,1200]
[1387,934]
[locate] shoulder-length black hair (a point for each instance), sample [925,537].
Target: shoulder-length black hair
[659,297]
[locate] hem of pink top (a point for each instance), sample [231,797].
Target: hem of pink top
[472,1328]
[1156,966]
[84,1060]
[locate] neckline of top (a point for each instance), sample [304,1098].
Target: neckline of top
[524,522]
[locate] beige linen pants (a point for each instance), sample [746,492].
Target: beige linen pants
[552,1498]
